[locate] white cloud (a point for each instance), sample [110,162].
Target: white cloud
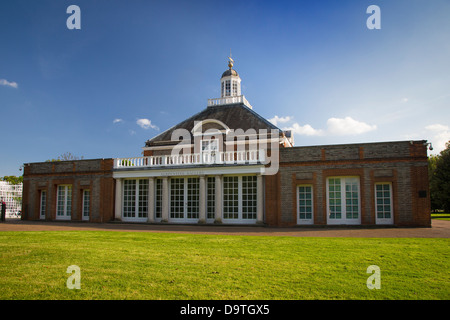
[437,127]
[348,126]
[441,135]
[117,120]
[275,120]
[305,130]
[146,124]
[335,126]
[4,82]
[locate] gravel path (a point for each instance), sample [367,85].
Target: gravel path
[439,229]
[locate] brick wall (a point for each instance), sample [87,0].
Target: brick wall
[403,164]
[95,175]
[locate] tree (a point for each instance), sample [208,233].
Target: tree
[440,180]
[432,163]
[66,157]
[13,179]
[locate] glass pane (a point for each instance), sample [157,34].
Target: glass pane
[305,202]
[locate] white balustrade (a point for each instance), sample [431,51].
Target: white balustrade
[231,157]
[229,100]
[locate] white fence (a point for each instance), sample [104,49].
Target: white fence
[12,195]
[229,100]
[240,157]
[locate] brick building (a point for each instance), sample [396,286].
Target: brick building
[228,165]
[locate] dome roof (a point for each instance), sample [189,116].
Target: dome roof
[230,72]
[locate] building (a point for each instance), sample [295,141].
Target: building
[228,165]
[11,194]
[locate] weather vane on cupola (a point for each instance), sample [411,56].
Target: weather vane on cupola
[230,61]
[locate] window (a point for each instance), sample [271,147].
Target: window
[209,150]
[184,198]
[383,203]
[351,199]
[343,200]
[86,204]
[129,198]
[211,198]
[240,198]
[193,197]
[43,205]
[158,198]
[249,197]
[227,88]
[304,204]
[135,199]
[235,88]
[143,198]
[177,198]
[64,202]
[230,197]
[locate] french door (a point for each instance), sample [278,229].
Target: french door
[383,203]
[86,204]
[239,199]
[64,202]
[343,197]
[135,200]
[184,199]
[43,204]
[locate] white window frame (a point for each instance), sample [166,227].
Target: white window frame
[183,202]
[383,198]
[86,205]
[136,204]
[43,204]
[227,88]
[299,204]
[158,199]
[234,88]
[343,199]
[209,150]
[66,198]
[210,199]
[240,202]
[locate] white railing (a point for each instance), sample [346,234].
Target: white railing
[229,100]
[239,157]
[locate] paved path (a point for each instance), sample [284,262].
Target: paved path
[439,229]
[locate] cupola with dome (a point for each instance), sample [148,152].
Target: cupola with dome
[230,88]
[230,81]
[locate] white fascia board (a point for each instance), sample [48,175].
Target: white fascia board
[194,171]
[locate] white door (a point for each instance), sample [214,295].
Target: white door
[184,199]
[210,151]
[343,198]
[64,202]
[86,204]
[305,211]
[384,213]
[43,204]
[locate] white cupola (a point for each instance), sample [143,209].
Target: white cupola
[230,82]
[230,88]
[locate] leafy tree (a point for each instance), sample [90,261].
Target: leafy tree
[440,180]
[13,179]
[432,163]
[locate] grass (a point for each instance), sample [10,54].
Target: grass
[441,216]
[132,265]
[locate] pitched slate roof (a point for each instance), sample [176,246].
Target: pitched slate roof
[235,116]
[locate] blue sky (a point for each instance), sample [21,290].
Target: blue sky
[136,68]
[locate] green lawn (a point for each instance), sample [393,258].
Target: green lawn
[441,216]
[133,265]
